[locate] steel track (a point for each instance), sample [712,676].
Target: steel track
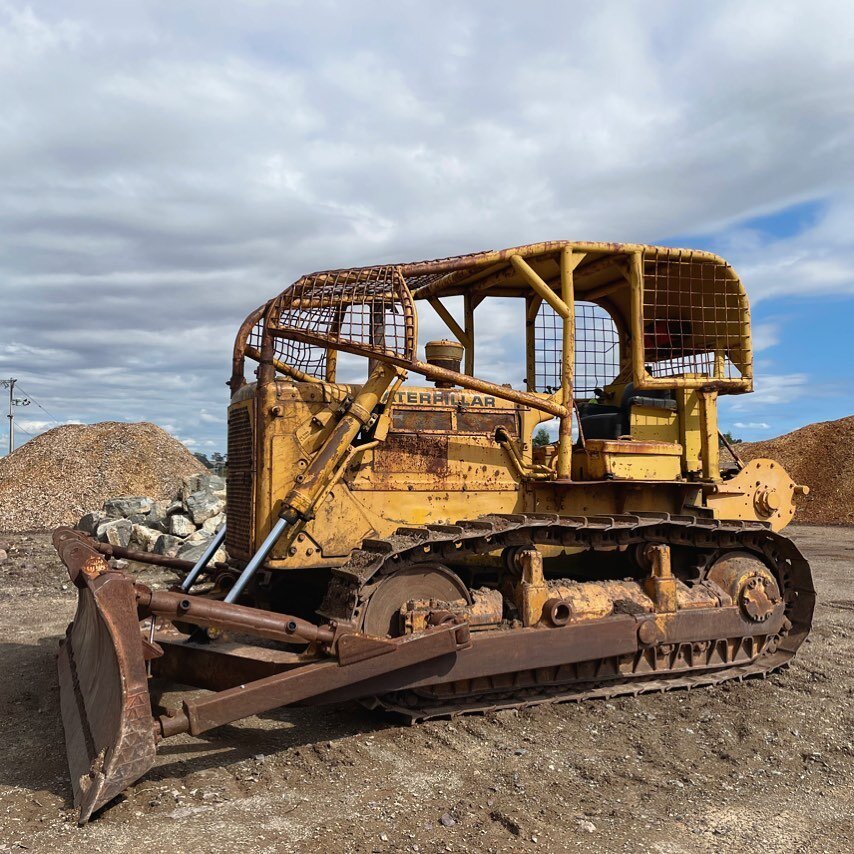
[658,670]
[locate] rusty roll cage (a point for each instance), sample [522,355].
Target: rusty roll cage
[684,315]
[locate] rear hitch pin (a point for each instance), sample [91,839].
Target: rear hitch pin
[204,560]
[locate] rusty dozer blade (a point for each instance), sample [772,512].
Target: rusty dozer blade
[106,710]
[110,731]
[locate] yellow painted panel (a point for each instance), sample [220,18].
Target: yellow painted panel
[689,428]
[650,424]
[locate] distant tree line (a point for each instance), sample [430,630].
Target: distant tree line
[541,437]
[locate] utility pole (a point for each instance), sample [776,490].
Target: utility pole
[13,402]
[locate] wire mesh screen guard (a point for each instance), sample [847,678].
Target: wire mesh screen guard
[369,310]
[693,312]
[251,345]
[597,349]
[256,334]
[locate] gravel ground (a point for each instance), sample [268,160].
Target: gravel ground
[763,765]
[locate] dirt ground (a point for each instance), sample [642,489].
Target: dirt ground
[758,766]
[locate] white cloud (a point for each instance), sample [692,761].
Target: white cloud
[751,425]
[816,261]
[168,167]
[778,404]
[771,390]
[39,425]
[765,335]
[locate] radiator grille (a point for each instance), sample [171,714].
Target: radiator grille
[240,479]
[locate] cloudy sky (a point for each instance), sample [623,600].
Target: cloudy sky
[167,167]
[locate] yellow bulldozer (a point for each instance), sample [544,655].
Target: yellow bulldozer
[395,534]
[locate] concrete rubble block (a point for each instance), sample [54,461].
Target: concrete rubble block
[176,506]
[167,545]
[90,522]
[203,505]
[193,551]
[157,515]
[210,483]
[199,536]
[212,525]
[144,538]
[127,505]
[181,525]
[116,532]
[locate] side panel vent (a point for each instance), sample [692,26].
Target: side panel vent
[241,467]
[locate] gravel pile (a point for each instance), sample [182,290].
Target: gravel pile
[56,477]
[821,456]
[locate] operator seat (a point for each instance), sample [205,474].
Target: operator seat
[606,421]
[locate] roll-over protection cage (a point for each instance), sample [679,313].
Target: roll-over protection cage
[681,318]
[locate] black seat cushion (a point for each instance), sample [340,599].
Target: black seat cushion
[599,421]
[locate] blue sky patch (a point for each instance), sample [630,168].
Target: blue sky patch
[786,222]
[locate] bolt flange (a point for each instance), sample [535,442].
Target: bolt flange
[758,599]
[766,502]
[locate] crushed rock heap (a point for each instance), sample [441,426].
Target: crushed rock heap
[56,477]
[179,528]
[822,457]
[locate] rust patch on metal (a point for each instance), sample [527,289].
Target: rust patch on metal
[404,453]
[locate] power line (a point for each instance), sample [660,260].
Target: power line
[49,414]
[11,384]
[13,402]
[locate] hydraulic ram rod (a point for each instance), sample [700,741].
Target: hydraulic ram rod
[299,504]
[204,560]
[257,559]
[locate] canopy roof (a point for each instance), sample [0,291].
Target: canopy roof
[672,302]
